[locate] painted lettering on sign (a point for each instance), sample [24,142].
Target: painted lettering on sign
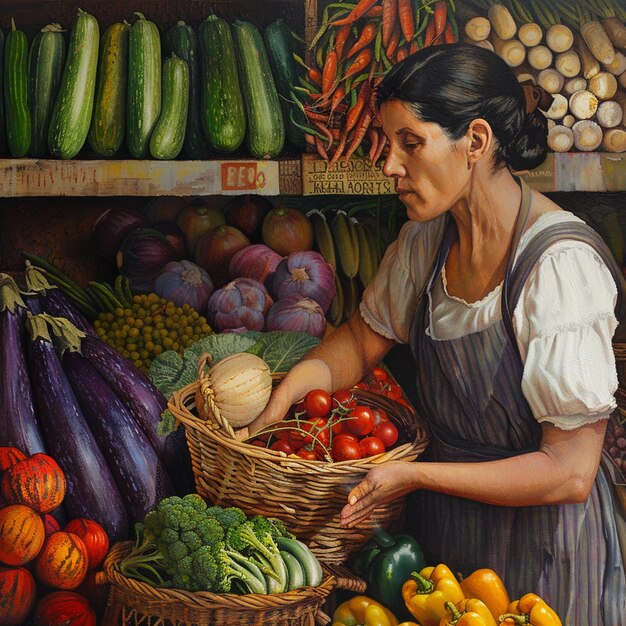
[242,176]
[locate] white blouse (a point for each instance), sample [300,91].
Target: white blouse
[564,320]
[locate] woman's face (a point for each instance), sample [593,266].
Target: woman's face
[430,170]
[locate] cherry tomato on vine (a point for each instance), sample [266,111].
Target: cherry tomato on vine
[307,453]
[361,421]
[317,403]
[345,449]
[370,446]
[343,399]
[380,415]
[380,374]
[282,445]
[393,391]
[386,432]
[258,443]
[361,385]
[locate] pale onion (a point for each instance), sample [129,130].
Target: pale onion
[240,385]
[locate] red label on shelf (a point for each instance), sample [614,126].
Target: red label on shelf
[242,176]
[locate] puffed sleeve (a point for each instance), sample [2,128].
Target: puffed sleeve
[565,323]
[389,301]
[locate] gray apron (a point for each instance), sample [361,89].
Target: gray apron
[469,391]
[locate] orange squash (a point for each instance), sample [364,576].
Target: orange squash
[21,534]
[94,537]
[64,608]
[62,562]
[37,482]
[17,595]
[10,456]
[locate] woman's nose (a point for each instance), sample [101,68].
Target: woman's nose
[392,166]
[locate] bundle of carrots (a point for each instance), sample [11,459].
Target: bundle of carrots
[356,45]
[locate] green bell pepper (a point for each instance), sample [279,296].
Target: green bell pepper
[386,563]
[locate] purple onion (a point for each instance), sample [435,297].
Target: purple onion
[296,313]
[111,228]
[183,282]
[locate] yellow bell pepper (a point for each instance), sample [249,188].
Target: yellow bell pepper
[468,612]
[426,593]
[532,610]
[487,586]
[361,610]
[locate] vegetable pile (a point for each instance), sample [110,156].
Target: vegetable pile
[185,544]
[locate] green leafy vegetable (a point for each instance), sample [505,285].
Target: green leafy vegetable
[281,350]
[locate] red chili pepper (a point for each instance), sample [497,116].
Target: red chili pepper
[340,40]
[329,73]
[448,34]
[440,16]
[368,34]
[390,11]
[407,21]
[361,61]
[359,11]
[429,34]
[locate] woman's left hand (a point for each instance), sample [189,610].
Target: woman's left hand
[381,485]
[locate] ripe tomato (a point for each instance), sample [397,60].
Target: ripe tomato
[343,399]
[317,403]
[380,374]
[338,427]
[284,431]
[307,453]
[282,445]
[361,421]
[393,391]
[296,439]
[371,446]
[259,443]
[380,415]
[345,449]
[386,432]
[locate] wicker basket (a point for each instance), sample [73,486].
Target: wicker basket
[134,603]
[307,495]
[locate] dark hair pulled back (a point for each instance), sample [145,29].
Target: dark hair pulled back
[454,84]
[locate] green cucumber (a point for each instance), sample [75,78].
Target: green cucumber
[71,115]
[223,115]
[266,129]
[168,135]
[144,85]
[306,558]
[19,126]
[181,40]
[3,124]
[108,124]
[45,66]
[295,570]
[278,42]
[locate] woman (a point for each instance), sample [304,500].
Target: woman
[508,304]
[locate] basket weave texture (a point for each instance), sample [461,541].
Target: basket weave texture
[134,603]
[307,495]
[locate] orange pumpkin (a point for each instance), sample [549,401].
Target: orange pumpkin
[37,482]
[21,534]
[94,537]
[64,608]
[10,456]
[17,595]
[62,562]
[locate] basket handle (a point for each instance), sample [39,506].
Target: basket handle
[204,360]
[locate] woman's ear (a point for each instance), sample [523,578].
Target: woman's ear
[480,138]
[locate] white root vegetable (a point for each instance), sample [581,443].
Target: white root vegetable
[616,31]
[609,114]
[598,41]
[574,84]
[559,38]
[603,85]
[614,140]
[618,66]
[540,57]
[589,63]
[568,63]
[551,80]
[568,121]
[525,77]
[551,124]
[583,104]
[478,28]
[620,97]
[622,80]
[502,21]
[560,138]
[558,108]
[530,34]
[512,51]
[587,135]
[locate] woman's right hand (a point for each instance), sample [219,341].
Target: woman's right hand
[276,409]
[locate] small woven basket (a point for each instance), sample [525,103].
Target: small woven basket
[307,495]
[134,603]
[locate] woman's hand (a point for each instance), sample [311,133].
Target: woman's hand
[381,485]
[276,409]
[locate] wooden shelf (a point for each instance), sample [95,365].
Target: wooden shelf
[590,172]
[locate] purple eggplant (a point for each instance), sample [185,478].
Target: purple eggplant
[18,421]
[55,302]
[91,489]
[146,403]
[139,473]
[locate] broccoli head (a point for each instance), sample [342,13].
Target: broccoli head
[227,517]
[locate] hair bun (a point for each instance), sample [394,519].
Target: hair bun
[530,146]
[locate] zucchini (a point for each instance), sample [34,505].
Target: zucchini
[3,124]
[297,578]
[45,66]
[71,115]
[266,130]
[306,558]
[222,110]
[19,127]
[168,135]
[108,124]
[144,85]
[278,42]
[181,40]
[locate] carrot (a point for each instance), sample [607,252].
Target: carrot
[359,11]
[429,35]
[355,111]
[381,146]
[320,148]
[375,11]
[401,54]
[323,128]
[390,10]
[440,16]
[374,139]
[315,76]
[316,117]
[309,139]
[368,34]
[414,47]
[362,60]
[329,73]
[359,132]
[448,34]
[405,15]
[340,40]
[338,96]
[339,150]
[393,44]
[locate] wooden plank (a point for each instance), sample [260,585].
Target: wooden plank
[578,171]
[541,178]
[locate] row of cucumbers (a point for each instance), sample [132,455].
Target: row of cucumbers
[204,92]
